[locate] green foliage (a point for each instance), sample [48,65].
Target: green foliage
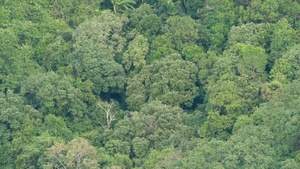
[217,126]
[190,7]
[262,11]
[252,61]
[283,37]
[281,115]
[248,148]
[287,67]
[253,34]
[252,146]
[145,21]
[15,60]
[134,56]
[229,93]
[214,154]
[51,94]
[118,5]
[160,47]
[212,30]
[117,146]
[182,31]
[96,43]
[76,154]
[288,164]
[107,75]
[57,127]
[170,84]
[169,8]
[122,161]
[170,80]
[151,128]
[72,11]
[17,123]
[163,159]
[224,9]
[101,34]
[193,53]
[140,146]
[205,66]
[157,122]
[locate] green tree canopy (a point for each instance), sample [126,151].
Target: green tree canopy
[52,94]
[76,154]
[170,80]
[182,31]
[134,56]
[101,34]
[287,68]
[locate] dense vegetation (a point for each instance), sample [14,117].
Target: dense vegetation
[150,84]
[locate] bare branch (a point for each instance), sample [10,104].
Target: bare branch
[109,116]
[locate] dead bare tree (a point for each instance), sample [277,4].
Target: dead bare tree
[110,117]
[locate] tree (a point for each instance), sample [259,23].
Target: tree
[280,115]
[212,29]
[205,65]
[253,34]
[148,129]
[193,53]
[287,68]
[182,31]
[145,21]
[233,89]
[101,34]
[252,146]
[55,48]
[72,11]
[169,8]
[97,41]
[212,154]
[114,147]
[140,146]
[52,94]
[157,122]
[165,158]
[223,8]
[262,11]
[170,80]
[76,154]
[106,74]
[56,127]
[289,164]
[160,47]
[134,56]
[15,60]
[119,4]
[29,154]
[283,37]
[252,61]
[17,122]
[289,9]
[109,110]
[190,7]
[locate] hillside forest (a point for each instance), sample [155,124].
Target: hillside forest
[185,84]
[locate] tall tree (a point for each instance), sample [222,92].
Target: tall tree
[134,56]
[52,94]
[170,80]
[97,41]
[76,154]
[182,31]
